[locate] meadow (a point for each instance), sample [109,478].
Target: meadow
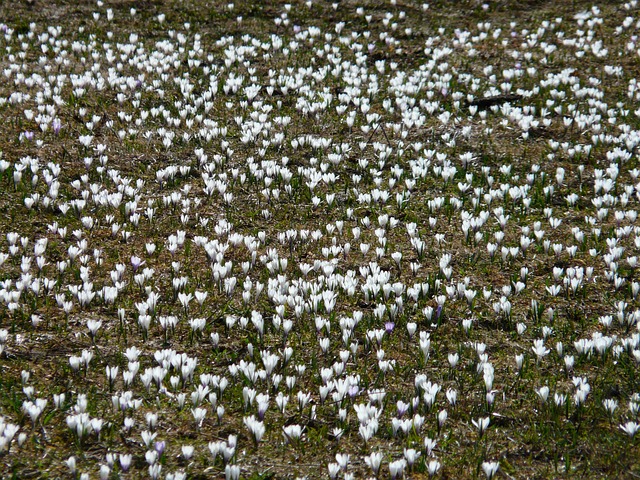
[305,239]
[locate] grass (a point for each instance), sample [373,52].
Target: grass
[346,199]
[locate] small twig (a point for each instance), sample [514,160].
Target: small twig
[379,126]
[373,133]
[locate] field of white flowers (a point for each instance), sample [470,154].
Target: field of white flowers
[362,239]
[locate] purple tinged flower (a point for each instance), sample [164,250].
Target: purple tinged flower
[296,29]
[125,461]
[388,327]
[438,312]
[402,408]
[159,447]
[57,125]
[353,391]
[136,262]
[28,135]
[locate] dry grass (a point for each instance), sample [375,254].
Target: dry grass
[529,439]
